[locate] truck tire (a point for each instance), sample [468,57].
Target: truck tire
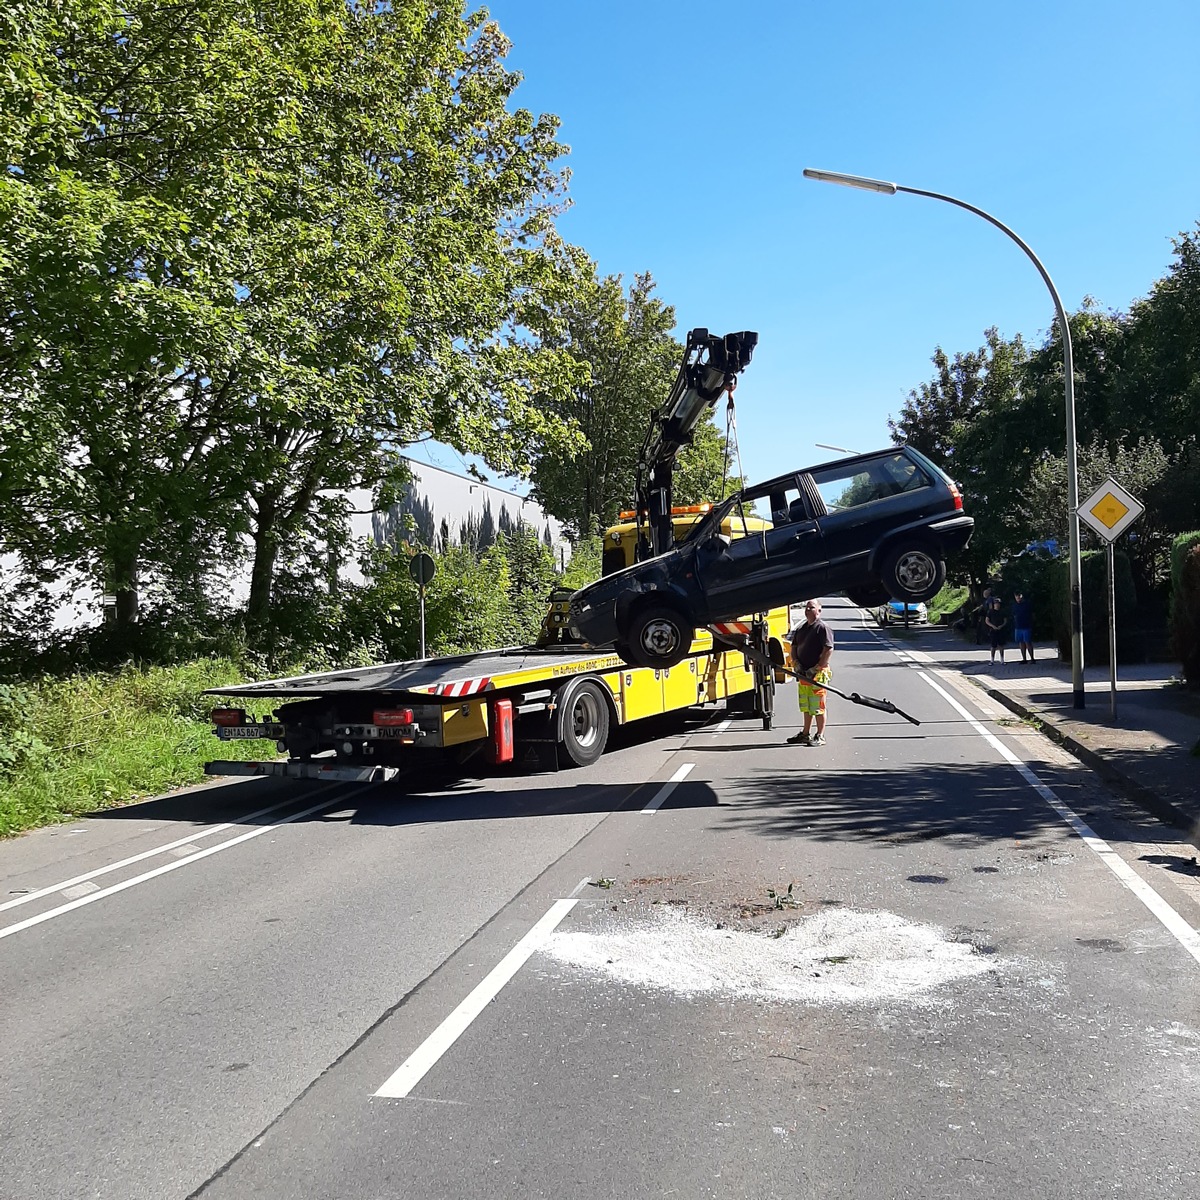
[583,713]
[660,636]
[913,571]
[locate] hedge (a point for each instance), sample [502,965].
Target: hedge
[1185,604]
[1094,587]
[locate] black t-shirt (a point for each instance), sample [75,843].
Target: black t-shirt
[809,643]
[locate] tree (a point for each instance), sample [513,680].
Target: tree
[244,279]
[624,342]
[704,471]
[946,419]
[1140,467]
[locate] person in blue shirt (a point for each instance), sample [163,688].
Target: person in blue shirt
[1022,615]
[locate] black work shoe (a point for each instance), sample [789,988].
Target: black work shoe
[800,739]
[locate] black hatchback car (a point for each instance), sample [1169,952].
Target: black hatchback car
[875,526]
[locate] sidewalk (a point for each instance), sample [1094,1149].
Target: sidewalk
[1147,752]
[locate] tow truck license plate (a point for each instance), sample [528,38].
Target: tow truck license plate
[230,732]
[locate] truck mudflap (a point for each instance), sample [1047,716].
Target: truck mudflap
[305,770]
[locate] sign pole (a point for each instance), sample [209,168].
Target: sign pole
[422,568]
[1110,510]
[1112,632]
[421,589]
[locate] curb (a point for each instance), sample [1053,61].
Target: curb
[1141,795]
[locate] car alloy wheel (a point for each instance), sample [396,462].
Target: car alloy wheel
[914,573]
[660,636]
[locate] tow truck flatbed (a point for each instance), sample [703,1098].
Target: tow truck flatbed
[454,675]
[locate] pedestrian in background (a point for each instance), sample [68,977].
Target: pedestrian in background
[997,624]
[812,648]
[1022,618]
[981,614]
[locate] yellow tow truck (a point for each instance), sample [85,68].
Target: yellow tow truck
[558,697]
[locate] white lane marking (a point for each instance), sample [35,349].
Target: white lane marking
[80,889]
[29,922]
[724,725]
[1175,925]
[170,847]
[418,1064]
[668,787]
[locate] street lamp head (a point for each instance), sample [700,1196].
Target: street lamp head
[854,181]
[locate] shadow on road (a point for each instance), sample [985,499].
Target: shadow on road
[428,800]
[968,805]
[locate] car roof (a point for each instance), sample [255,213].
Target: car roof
[866,456]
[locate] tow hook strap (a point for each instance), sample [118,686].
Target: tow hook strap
[743,646]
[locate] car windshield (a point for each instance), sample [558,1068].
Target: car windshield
[710,523]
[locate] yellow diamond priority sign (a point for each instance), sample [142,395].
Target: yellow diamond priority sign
[1110,510]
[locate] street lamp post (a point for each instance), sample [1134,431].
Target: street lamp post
[890,189]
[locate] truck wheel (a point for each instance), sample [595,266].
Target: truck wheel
[660,636]
[913,572]
[584,715]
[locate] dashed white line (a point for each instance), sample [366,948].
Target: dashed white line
[668,787]
[168,848]
[50,914]
[724,725]
[419,1063]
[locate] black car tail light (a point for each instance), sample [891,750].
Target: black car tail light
[958,504]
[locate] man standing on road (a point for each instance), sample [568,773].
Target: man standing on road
[812,648]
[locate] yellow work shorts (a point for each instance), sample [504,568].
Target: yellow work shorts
[812,695]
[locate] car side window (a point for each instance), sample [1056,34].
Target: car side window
[775,505]
[849,485]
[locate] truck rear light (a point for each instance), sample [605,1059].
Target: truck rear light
[393,716]
[228,716]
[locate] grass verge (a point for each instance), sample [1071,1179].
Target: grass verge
[87,742]
[948,600]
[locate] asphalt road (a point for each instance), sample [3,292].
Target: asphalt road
[984,980]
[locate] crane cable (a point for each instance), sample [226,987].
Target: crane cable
[731,438]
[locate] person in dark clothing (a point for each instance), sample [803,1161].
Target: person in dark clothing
[997,627]
[980,614]
[812,648]
[1022,618]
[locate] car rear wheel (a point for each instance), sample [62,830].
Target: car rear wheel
[871,596]
[659,636]
[913,572]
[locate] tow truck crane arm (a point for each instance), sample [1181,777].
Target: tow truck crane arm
[710,367]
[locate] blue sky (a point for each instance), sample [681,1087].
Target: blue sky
[1076,124]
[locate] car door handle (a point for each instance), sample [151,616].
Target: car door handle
[804,533]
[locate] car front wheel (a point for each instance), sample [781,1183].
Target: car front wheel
[659,636]
[913,572]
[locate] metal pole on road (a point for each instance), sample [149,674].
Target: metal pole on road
[890,189]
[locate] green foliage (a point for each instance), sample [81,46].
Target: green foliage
[624,343]
[1094,591]
[1035,574]
[947,603]
[994,417]
[704,471]
[231,286]
[585,565]
[1140,467]
[91,741]
[1185,604]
